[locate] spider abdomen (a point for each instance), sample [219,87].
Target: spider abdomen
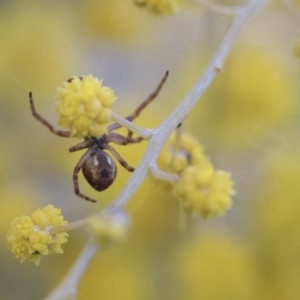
[99,170]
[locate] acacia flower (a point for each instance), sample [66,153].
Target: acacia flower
[30,236]
[108,228]
[84,106]
[200,188]
[181,150]
[164,7]
[204,191]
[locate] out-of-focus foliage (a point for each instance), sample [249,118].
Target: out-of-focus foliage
[37,44]
[249,102]
[276,225]
[113,20]
[251,111]
[165,7]
[216,266]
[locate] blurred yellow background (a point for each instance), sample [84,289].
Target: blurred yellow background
[247,122]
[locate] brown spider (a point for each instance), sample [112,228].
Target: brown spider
[97,166]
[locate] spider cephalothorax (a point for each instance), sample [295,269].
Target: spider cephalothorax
[97,166]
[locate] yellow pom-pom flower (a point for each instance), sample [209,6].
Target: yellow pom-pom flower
[84,106]
[164,7]
[109,229]
[30,236]
[180,150]
[204,191]
[200,188]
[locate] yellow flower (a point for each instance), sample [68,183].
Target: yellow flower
[83,106]
[31,237]
[180,150]
[200,189]
[204,191]
[109,228]
[165,7]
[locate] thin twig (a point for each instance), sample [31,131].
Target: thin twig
[144,133]
[70,226]
[68,287]
[162,175]
[161,134]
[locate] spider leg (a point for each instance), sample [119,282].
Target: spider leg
[151,97]
[75,177]
[44,121]
[133,140]
[138,110]
[83,145]
[118,157]
[122,140]
[129,134]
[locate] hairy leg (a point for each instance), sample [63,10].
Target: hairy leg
[44,121]
[75,177]
[143,105]
[119,139]
[119,158]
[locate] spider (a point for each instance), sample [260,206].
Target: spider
[97,166]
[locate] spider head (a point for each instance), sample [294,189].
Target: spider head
[99,169]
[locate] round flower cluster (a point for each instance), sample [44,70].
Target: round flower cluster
[164,7]
[200,189]
[205,193]
[181,150]
[84,106]
[30,236]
